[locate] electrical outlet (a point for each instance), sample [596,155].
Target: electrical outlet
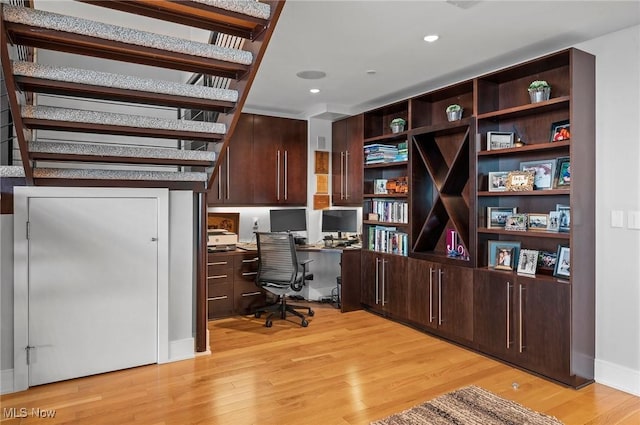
[255,224]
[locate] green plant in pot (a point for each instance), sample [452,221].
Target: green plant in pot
[539,91]
[397,125]
[454,112]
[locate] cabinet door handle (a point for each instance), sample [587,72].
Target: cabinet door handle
[431,295]
[222,297]
[251,294]
[346,175]
[218,276]
[341,175]
[228,155]
[521,337]
[508,315]
[219,186]
[278,175]
[218,263]
[377,280]
[253,260]
[384,279]
[286,175]
[440,273]
[249,273]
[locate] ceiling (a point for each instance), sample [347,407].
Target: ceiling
[345,39]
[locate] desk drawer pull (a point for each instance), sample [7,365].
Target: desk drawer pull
[219,276]
[253,260]
[218,263]
[221,297]
[251,294]
[249,273]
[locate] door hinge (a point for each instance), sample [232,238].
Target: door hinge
[28,229]
[28,349]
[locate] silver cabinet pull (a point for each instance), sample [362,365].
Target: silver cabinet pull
[508,315]
[286,175]
[228,155]
[218,263]
[253,260]
[521,345]
[221,297]
[377,280]
[431,295]
[384,279]
[346,175]
[249,273]
[218,276]
[342,179]
[278,175]
[251,294]
[219,186]
[440,273]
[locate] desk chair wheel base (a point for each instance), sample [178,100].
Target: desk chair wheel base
[268,323]
[304,323]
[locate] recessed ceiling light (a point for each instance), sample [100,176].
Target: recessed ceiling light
[311,75]
[431,38]
[371,71]
[314,91]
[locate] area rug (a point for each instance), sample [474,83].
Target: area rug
[469,406]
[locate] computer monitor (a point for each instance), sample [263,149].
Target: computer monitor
[339,221]
[288,220]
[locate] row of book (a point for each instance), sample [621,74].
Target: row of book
[379,153]
[389,240]
[390,211]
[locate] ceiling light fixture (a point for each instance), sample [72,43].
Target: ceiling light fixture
[314,91]
[371,71]
[311,75]
[431,38]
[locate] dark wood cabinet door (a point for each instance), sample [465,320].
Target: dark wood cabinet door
[370,284]
[494,315]
[455,301]
[268,157]
[420,293]
[351,280]
[544,335]
[338,147]
[394,285]
[347,161]
[293,185]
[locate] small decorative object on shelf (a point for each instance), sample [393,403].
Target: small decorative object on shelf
[560,131]
[495,246]
[519,181]
[563,262]
[528,262]
[499,140]
[397,125]
[539,91]
[454,248]
[454,112]
[517,222]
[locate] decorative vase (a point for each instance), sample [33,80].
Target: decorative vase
[454,115]
[397,128]
[539,95]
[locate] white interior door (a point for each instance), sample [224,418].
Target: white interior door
[93,286]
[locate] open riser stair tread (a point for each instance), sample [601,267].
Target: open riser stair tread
[54,31]
[77,120]
[60,80]
[91,174]
[242,18]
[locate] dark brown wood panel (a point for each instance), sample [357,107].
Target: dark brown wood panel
[351,265]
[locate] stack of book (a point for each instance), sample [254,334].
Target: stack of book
[403,152]
[389,240]
[378,153]
[390,211]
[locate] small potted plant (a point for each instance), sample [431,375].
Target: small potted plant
[454,112]
[397,125]
[539,91]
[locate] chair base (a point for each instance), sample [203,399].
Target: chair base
[282,308]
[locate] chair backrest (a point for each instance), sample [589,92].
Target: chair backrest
[277,261]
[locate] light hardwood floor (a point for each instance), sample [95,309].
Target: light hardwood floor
[350,368]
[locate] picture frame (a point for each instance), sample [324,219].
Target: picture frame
[519,181]
[537,222]
[499,140]
[564,218]
[544,172]
[560,131]
[492,250]
[563,173]
[563,262]
[547,261]
[380,187]
[553,224]
[505,258]
[527,262]
[516,222]
[227,221]
[497,181]
[497,216]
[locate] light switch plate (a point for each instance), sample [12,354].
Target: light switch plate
[634,219]
[617,218]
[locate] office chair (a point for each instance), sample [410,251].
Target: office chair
[280,272]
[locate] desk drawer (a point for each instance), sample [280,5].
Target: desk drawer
[246,268]
[247,297]
[218,263]
[220,300]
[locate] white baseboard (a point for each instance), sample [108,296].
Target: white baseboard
[619,377]
[181,349]
[6,381]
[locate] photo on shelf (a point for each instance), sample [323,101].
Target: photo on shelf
[520,181]
[553,224]
[497,216]
[499,140]
[564,218]
[563,262]
[527,262]
[538,222]
[505,258]
[547,261]
[563,173]
[544,172]
[517,222]
[498,181]
[560,131]
[380,186]
[492,250]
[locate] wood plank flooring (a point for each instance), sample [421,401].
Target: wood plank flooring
[350,368]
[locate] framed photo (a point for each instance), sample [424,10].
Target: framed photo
[519,181]
[505,258]
[543,171]
[499,140]
[563,173]
[527,262]
[227,221]
[497,216]
[560,130]
[517,222]
[563,262]
[498,181]
[553,224]
[564,218]
[492,251]
[380,186]
[538,222]
[547,261]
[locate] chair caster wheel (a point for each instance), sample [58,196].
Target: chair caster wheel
[311,313]
[268,323]
[257,315]
[304,323]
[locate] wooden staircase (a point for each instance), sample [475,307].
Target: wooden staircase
[186,154]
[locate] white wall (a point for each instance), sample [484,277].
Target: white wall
[618,183]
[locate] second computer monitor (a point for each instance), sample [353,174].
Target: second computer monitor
[339,221]
[288,220]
